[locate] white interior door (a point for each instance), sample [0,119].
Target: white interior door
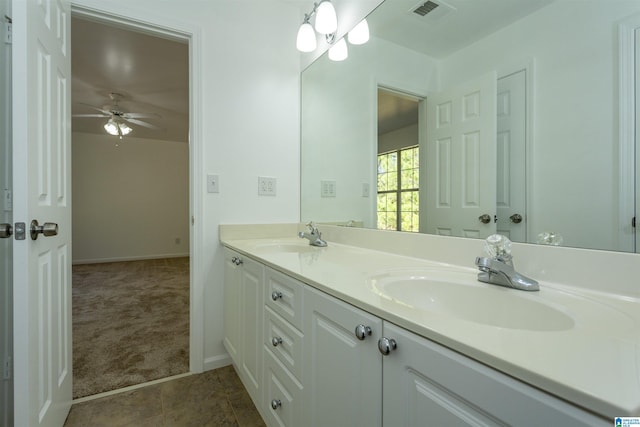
[42,192]
[461,156]
[511,161]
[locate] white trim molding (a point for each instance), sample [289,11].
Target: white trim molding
[627,132]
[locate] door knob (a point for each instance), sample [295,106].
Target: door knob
[276,295]
[47,229]
[6,230]
[275,341]
[275,404]
[485,218]
[516,218]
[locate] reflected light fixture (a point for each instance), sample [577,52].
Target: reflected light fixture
[360,33]
[117,127]
[339,51]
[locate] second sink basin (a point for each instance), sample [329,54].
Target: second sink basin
[458,294]
[286,247]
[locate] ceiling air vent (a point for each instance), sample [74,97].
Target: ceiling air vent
[425,8]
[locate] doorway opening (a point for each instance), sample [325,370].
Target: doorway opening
[131,205]
[398,165]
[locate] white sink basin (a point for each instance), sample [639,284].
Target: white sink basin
[286,247]
[458,294]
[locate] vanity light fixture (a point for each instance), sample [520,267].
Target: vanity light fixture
[117,128]
[326,23]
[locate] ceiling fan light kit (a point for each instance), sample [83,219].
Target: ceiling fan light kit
[117,123]
[117,128]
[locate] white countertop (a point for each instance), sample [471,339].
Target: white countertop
[594,362]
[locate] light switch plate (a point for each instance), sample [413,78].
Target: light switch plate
[365,189]
[327,188]
[213,184]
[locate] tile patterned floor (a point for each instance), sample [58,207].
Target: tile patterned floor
[213,398]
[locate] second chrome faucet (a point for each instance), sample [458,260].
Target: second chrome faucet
[313,235]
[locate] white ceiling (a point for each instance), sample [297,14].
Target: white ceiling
[451,26]
[151,73]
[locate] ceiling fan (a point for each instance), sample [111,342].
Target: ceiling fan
[117,123]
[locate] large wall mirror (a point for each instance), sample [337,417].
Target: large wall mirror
[480,117]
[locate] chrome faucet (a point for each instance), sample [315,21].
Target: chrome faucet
[498,268]
[313,235]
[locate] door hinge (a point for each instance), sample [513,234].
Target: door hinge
[8,368]
[8,31]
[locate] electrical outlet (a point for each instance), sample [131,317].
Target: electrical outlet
[266,186]
[213,184]
[177,240]
[365,189]
[327,188]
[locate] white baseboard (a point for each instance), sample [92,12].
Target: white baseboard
[216,362]
[132,258]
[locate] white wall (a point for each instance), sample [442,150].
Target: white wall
[574,179]
[249,112]
[342,145]
[130,198]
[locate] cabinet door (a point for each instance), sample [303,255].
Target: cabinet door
[251,326]
[342,381]
[426,384]
[232,312]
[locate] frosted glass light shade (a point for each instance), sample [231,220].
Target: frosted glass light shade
[306,41]
[116,127]
[339,51]
[124,128]
[360,33]
[326,18]
[111,127]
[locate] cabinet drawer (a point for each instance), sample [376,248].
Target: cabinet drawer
[283,295]
[283,393]
[288,339]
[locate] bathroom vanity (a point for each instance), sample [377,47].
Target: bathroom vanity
[349,335]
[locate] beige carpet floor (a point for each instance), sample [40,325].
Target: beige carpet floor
[130,323]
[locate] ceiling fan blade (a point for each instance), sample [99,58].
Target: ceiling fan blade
[141,123]
[141,116]
[91,115]
[108,113]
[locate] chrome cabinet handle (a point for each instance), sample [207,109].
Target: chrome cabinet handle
[275,341]
[6,231]
[47,229]
[275,404]
[362,332]
[236,260]
[516,218]
[386,345]
[276,295]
